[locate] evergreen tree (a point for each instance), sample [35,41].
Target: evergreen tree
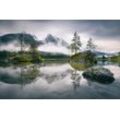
[119,53]
[90,45]
[21,37]
[76,43]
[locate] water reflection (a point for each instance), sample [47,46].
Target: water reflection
[60,80]
[80,67]
[75,76]
[19,75]
[54,72]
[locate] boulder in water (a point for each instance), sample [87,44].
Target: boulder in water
[99,74]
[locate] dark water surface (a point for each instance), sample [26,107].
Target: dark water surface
[58,80]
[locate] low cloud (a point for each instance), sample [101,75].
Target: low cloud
[102,31]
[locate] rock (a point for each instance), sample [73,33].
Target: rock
[99,74]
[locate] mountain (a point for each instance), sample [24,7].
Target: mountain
[50,55]
[50,39]
[26,38]
[53,44]
[29,39]
[100,54]
[50,44]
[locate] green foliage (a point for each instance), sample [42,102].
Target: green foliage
[26,75]
[115,59]
[76,43]
[4,55]
[84,57]
[90,45]
[79,66]
[50,56]
[37,59]
[83,60]
[31,73]
[20,57]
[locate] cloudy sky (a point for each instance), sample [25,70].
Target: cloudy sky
[105,34]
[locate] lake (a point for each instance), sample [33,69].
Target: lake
[55,81]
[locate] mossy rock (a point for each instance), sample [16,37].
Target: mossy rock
[84,57]
[99,74]
[79,66]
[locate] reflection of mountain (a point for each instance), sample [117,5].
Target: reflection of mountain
[54,81]
[22,75]
[54,77]
[28,74]
[52,73]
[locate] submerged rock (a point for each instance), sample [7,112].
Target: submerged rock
[99,74]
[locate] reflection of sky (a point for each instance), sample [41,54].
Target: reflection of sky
[60,86]
[106,34]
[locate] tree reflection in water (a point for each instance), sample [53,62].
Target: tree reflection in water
[76,77]
[23,75]
[29,74]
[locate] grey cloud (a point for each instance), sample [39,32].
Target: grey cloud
[97,28]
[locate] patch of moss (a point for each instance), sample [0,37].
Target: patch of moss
[115,59]
[78,66]
[84,57]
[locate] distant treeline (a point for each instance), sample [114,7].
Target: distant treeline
[6,56]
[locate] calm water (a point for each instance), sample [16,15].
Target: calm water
[55,81]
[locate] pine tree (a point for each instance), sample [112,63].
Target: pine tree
[90,45]
[22,44]
[76,43]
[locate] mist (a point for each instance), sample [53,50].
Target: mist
[105,33]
